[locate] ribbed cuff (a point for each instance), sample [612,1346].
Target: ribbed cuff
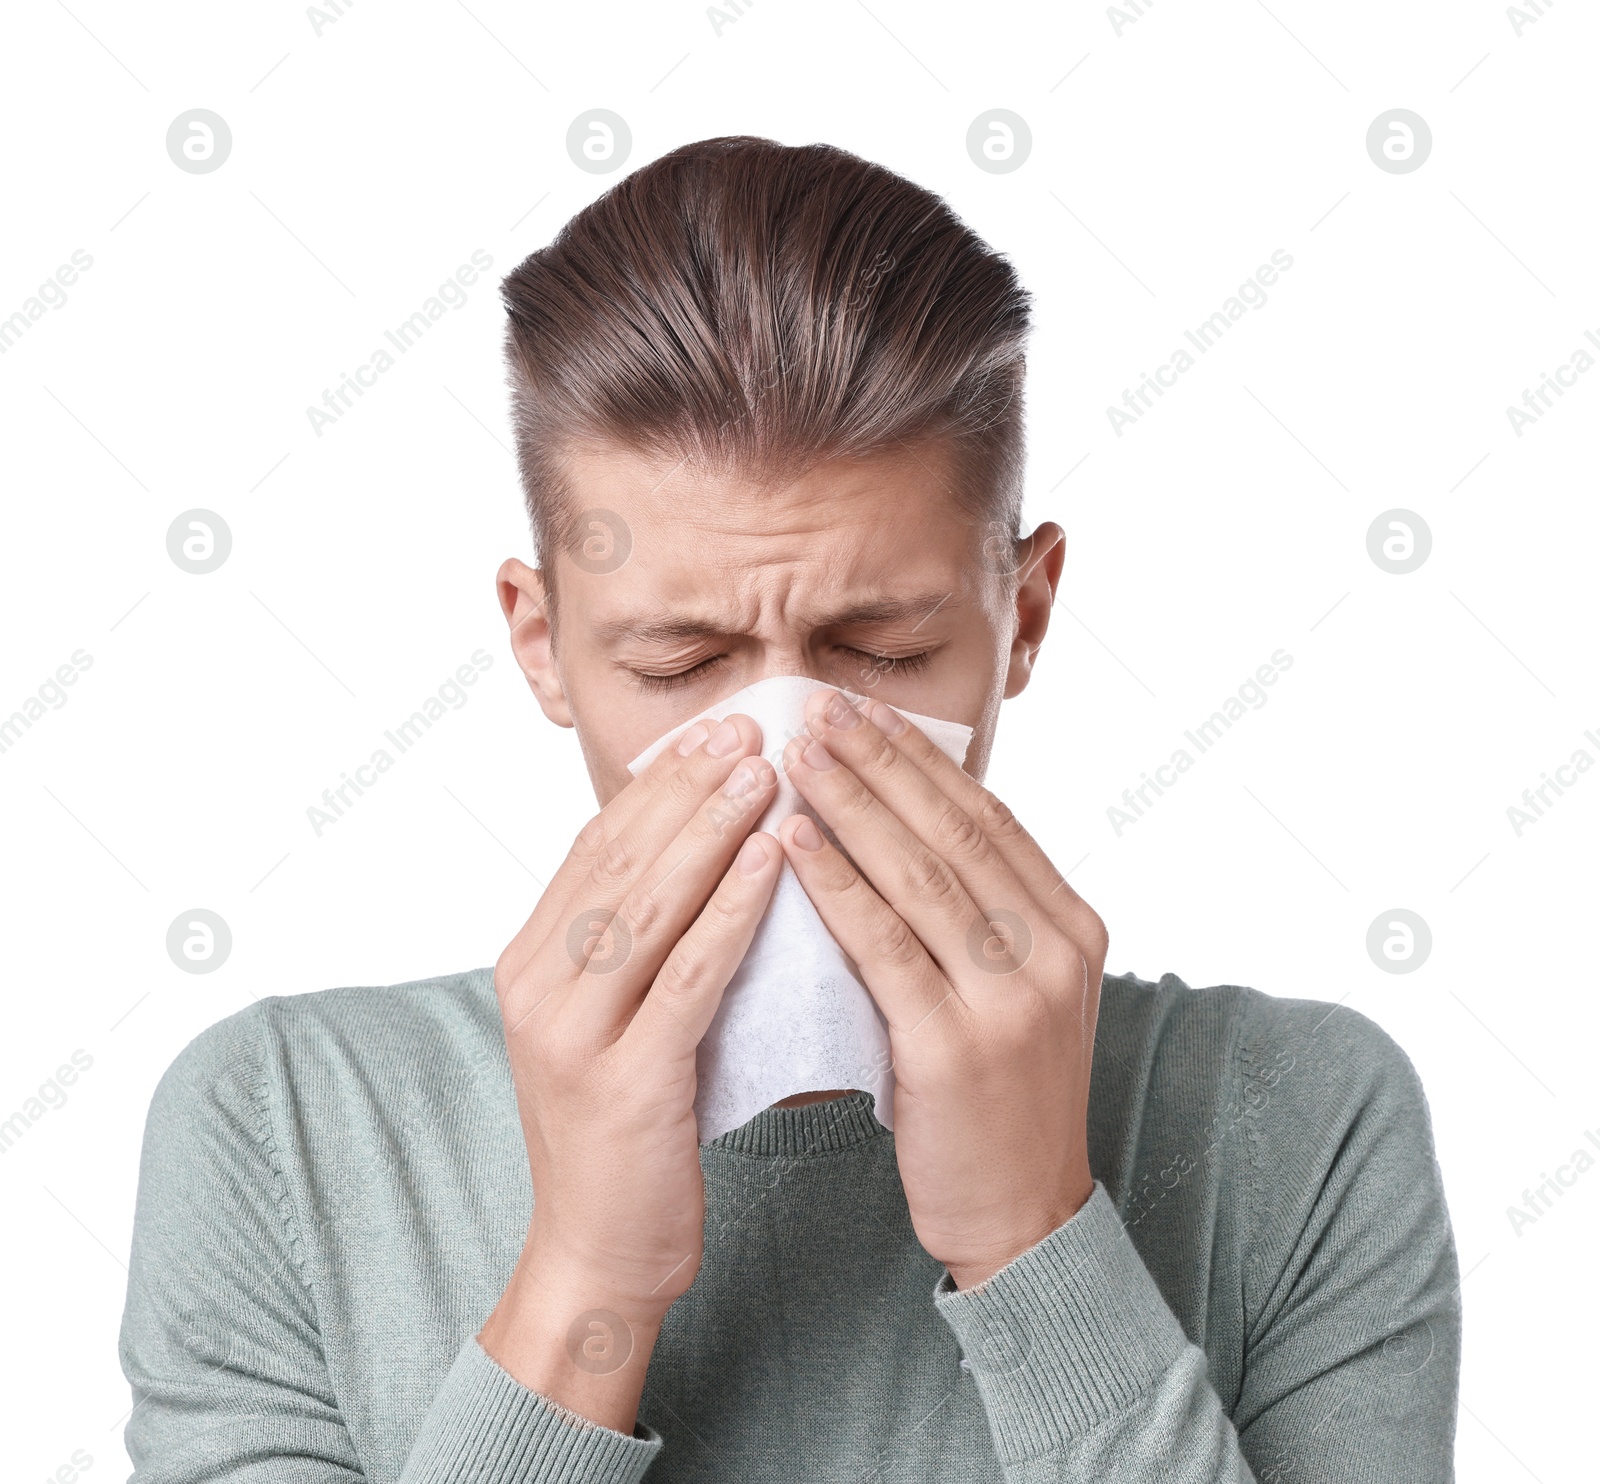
[485,1427]
[1069,1333]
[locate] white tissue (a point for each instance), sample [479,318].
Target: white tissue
[796,1016]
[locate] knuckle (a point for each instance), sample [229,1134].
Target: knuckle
[897,945]
[685,789]
[880,752]
[929,878]
[1064,969]
[507,968]
[854,803]
[1093,935]
[641,911]
[522,982]
[844,883]
[996,819]
[591,839]
[956,833]
[682,974]
[613,863]
[722,916]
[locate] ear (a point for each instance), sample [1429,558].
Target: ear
[525,602]
[1039,559]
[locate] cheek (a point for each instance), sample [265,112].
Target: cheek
[608,786]
[614,725]
[977,764]
[982,673]
[605,747]
[606,755]
[607,763]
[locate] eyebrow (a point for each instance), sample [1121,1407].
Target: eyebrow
[921,606]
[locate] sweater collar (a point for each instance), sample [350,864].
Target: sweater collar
[816,1128]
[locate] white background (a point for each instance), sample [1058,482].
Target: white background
[1168,161]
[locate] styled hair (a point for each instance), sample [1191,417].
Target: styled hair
[743,305]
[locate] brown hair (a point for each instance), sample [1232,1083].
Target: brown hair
[743,304]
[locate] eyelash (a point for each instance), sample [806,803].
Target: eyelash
[890,664]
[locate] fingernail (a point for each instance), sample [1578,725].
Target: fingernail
[841,713]
[752,855]
[817,757]
[887,720]
[693,738]
[723,740]
[806,835]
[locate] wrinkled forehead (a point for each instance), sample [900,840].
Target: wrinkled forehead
[882,533]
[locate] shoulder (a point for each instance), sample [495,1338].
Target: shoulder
[1285,1100]
[1229,1033]
[328,1041]
[386,1018]
[1338,1086]
[1297,1130]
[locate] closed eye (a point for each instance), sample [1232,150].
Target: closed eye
[893,664]
[882,664]
[654,684]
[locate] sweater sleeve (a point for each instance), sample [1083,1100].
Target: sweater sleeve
[1351,1317]
[220,1341]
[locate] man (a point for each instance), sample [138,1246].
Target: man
[768,408]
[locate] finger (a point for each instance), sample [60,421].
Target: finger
[904,980]
[688,988]
[917,801]
[590,841]
[686,766]
[918,886]
[611,851]
[663,903]
[1029,864]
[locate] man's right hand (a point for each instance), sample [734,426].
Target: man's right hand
[605,994]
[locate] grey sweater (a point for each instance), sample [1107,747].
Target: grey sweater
[334,1192]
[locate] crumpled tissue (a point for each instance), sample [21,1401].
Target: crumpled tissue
[796,1016]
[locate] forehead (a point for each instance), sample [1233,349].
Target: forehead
[663,492]
[668,531]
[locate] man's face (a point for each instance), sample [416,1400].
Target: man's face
[863,574]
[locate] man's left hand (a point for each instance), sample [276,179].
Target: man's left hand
[985,964]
